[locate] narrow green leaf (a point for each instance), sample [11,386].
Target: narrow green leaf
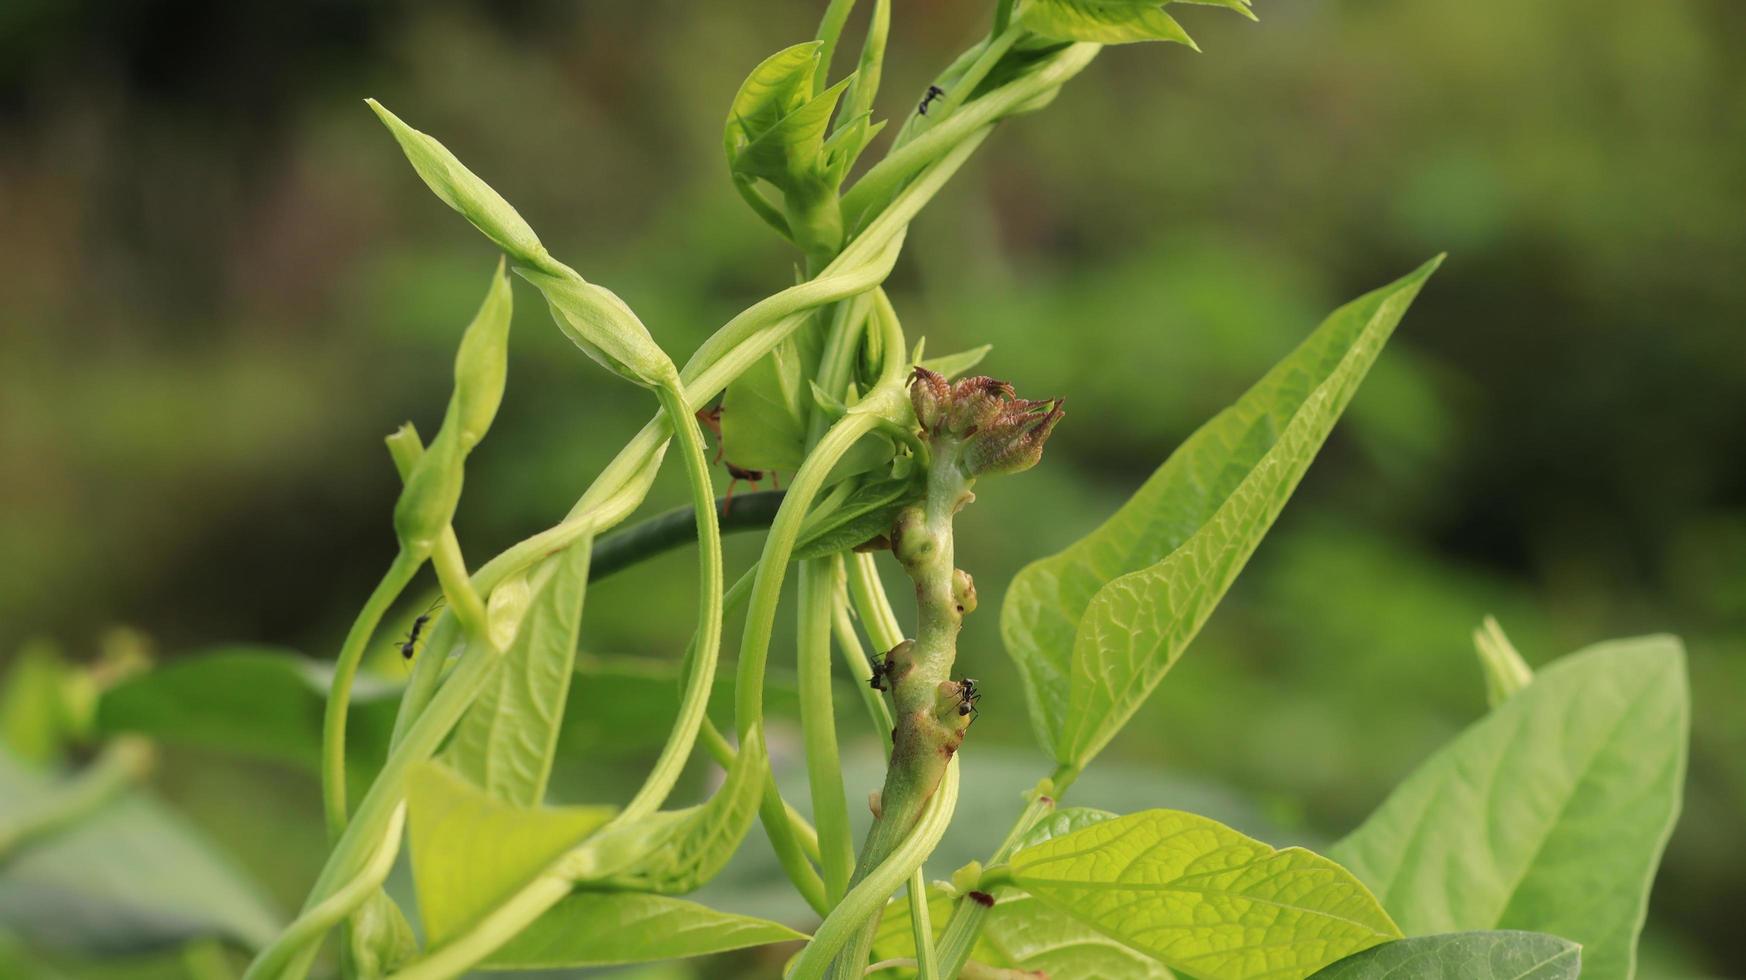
[460,189]
[1094,628]
[1550,814]
[674,853]
[867,513]
[595,929]
[949,366]
[1464,956]
[135,876]
[506,741]
[470,851]
[1201,897]
[1102,21]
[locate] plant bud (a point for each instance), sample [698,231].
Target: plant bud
[460,189]
[482,364]
[976,402]
[1013,441]
[930,396]
[963,591]
[600,323]
[427,503]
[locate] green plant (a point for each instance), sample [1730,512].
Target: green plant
[1582,766]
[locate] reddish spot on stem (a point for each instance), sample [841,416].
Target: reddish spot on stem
[983,899]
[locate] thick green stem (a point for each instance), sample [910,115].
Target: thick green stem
[930,725]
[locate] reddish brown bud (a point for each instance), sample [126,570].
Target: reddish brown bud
[1013,442]
[930,396]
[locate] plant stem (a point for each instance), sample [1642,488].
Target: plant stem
[818,723]
[345,671]
[921,928]
[929,725]
[676,528]
[968,917]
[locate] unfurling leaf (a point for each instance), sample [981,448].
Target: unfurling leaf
[1095,628]
[1549,814]
[506,741]
[1113,21]
[471,852]
[678,852]
[1201,897]
[1464,956]
[605,929]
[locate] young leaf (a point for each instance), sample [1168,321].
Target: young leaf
[779,86]
[1095,627]
[678,852]
[1102,21]
[506,740]
[764,411]
[470,851]
[1197,895]
[132,877]
[1550,814]
[380,937]
[604,929]
[1464,956]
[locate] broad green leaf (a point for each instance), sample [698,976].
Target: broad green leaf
[1102,21]
[1022,933]
[677,852]
[507,739]
[1464,956]
[781,84]
[604,929]
[1550,814]
[1095,628]
[471,851]
[258,701]
[134,876]
[1060,823]
[1201,897]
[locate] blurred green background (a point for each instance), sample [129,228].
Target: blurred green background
[220,286]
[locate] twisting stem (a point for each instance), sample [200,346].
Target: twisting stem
[339,698]
[818,723]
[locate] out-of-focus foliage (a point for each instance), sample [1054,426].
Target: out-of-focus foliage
[218,289]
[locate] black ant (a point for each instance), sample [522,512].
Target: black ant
[881,679]
[968,695]
[934,92]
[711,420]
[408,648]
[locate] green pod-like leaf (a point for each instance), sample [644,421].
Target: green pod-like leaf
[462,190]
[606,329]
[482,364]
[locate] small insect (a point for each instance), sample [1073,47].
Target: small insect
[934,92]
[881,679]
[410,646]
[968,695]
